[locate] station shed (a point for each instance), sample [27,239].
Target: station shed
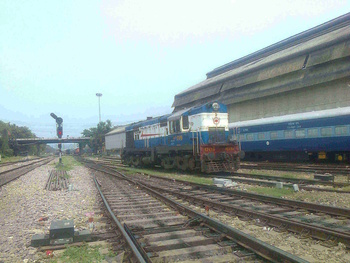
[306,72]
[115,139]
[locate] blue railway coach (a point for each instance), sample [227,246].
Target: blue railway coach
[195,138]
[322,135]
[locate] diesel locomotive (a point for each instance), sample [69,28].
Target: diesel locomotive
[191,139]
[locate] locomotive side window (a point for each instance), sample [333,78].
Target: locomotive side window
[341,130]
[185,124]
[288,134]
[175,126]
[326,131]
[250,137]
[273,135]
[261,136]
[312,132]
[300,133]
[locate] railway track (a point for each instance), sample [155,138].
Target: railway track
[162,230]
[256,179]
[308,168]
[327,223]
[17,162]
[272,183]
[12,174]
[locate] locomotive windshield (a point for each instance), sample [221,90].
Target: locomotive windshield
[217,135]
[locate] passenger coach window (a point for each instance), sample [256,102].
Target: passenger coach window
[341,130]
[241,137]
[273,135]
[288,134]
[312,132]
[261,136]
[326,131]
[250,137]
[300,133]
[185,125]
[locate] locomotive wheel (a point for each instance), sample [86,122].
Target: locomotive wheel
[127,160]
[237,163]
[168,163]
[136,161]
[191,164]
[182,163]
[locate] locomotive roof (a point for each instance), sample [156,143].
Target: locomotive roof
[198,109]
[294,117]
[147,122]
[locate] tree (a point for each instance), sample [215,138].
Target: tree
[97,135]
[10,132]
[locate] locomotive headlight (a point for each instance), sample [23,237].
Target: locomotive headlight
[216,106]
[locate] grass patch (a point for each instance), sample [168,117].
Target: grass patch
[83,253]
[68,163]
[199,179]
[5,159]
[279,174]
[346,188]
[275,192]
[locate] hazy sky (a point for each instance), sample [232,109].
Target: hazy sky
[56,55]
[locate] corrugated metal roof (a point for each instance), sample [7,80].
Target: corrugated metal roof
[116,131]
[211,88]
[319,30]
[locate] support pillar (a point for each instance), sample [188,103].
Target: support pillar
[80,148]
[38,149]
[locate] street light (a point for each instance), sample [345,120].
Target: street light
[99,95]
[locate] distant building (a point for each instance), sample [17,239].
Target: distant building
[115,139]
[306,72]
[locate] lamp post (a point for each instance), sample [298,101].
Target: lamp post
[99,95]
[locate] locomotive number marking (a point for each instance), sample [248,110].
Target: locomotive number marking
[209,150]
[229,149]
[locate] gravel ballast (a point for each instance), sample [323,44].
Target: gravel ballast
[24,202]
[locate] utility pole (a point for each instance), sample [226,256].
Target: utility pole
[99,95]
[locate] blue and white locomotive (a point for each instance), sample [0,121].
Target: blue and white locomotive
[318,135]
[196,138]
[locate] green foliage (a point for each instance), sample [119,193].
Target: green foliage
[9,132]
[83,253]
[198,179]
[275,192]
[97,135]
[68,163]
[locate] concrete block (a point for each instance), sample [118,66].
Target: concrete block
[279,185]
[62,229]
[296,188]
[40,240]
[83,235]
[221,182]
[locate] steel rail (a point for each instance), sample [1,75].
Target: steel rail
[269,219]
[126,236]
[273,184]
[292,180]
[259,247]
[26,170]
[332,210]
[23,166]
[287,167]
[282,223]
[16,162]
